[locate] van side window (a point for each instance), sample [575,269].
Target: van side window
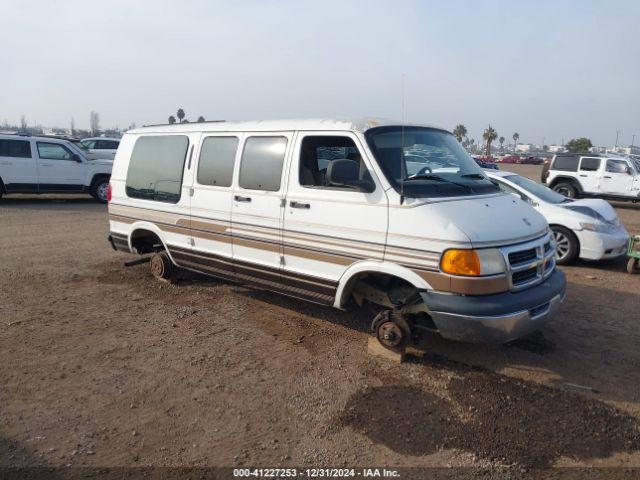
[566,163]
[15,148]
[588,164]
[217,157]
[156,166]
[331,162]
[53,151]
[261,164]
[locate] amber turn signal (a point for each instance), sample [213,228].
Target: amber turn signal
[460,262]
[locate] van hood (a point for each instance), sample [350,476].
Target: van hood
[601,206]
[491,221]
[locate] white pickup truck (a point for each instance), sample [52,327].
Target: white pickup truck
[597,176]
[50,165]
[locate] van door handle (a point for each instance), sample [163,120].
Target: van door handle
[295,204]
[606,176]
[242,199]
[582,175]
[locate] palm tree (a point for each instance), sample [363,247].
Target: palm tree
[172,119]
[180,114]
[201,119]
[501,140]
[515,137]
[460,131]
[489,136]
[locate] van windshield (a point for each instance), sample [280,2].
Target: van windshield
[427,162]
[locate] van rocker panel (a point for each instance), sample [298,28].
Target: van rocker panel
[497,318]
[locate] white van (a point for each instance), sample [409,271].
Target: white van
[330,210]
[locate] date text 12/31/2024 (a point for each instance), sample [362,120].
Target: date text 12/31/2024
[315,473]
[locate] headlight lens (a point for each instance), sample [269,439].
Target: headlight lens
[470,262]
[598,227]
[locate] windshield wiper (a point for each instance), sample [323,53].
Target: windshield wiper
[437,178]
[473,175]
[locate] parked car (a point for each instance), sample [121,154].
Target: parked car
[50,165]
[439,248]
[531,160]
[486,162]
[589,229]
[593,175]
[101,147]
[510,159]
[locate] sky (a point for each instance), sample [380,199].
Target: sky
[549,70]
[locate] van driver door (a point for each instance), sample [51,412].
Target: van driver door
[335,213]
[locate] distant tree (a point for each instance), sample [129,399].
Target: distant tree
[201,119]
[185,121]
[501,140]
[23,124]
[545,148]
[180,114]
[489,136]
[460,131]
[579,145]
[94,123]
[72,126]
[516,137]
[172,119]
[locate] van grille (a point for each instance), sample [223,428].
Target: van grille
[530,263]
[524,276]
[516,258]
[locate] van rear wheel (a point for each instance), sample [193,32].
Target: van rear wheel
[633,265]
[161,266]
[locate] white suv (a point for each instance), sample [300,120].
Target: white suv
[50,165]
[612,177]
[101,147]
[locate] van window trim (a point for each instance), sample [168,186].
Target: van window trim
[235,173]
[290,138]
[183,176]
[295,160]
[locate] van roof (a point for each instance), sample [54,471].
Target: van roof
[360,125]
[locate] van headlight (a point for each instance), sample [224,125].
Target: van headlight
[472,262]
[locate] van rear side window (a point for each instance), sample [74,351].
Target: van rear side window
[15,148]
[261,164]
[156,166]
[217,157]
[566,163]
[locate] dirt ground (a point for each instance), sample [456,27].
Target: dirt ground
[102,366]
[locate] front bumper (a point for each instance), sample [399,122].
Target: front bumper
[599,246]
[497,318]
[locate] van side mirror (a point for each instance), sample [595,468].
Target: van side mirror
[76,158]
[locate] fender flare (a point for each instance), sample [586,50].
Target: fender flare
[151,227]
[564,178]
[388,268]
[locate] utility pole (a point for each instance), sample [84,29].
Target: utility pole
[617,134]
[633,137]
